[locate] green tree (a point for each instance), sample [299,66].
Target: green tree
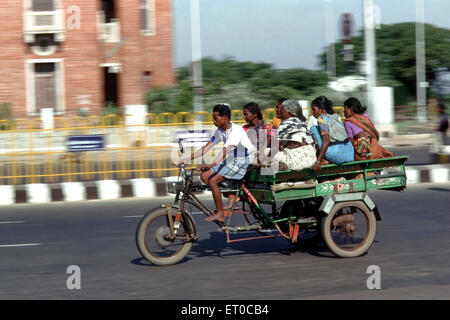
[236,83]
[396,53]
[297,79]
[226,71]
[170,98]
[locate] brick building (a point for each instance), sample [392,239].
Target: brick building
[74,54]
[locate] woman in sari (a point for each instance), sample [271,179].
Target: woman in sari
[258,132]
[330,135]
[296,145]
[276,122]
[362,132]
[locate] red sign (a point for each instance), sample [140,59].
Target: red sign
[346,27]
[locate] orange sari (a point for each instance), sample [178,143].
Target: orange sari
[368,148]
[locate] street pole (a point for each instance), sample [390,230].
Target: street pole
[197,76]
[369,43]
[420,62]
[329,29]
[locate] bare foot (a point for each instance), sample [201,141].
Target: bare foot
[218,216]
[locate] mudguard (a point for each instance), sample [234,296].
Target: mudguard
[329,201]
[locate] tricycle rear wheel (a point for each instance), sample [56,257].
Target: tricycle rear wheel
[349,229]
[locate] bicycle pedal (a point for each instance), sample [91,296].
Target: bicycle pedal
[267,231]
[228,229]
[307,220]
[235,209]
[252,227]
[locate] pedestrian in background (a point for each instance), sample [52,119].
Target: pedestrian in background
[443,123]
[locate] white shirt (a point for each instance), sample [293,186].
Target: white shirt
[236,137]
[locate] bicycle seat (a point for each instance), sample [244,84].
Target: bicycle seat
[230,184]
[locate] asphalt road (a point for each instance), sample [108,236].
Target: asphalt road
[39,242]
[418,155]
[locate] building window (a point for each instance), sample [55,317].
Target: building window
[147,12]
[43,5]
[44,85]
[109,10]
[147,80]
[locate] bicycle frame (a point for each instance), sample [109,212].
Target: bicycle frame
[185,195]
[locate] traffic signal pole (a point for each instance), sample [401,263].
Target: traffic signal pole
[329,30]
[370,56]
[197,76]
[420,62]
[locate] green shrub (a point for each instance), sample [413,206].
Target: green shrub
[5,114]
[111,109]
[5,111]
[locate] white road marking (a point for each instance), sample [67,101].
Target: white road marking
[20,245]
[140,216]
[11,222]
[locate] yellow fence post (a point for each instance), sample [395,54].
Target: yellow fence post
[339,110]
[269,115]
[184,117]
[8,127]
[123,144]
[207,117]
[237,116]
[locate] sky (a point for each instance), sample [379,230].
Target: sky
[285,33]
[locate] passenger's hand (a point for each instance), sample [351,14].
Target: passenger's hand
[317,166]
[184,161]
[263,163]
[204,167]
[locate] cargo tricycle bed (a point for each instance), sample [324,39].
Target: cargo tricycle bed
[351,177]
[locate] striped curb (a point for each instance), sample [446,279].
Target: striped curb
[436,173]
[440,158]
[148,188]
[81,191]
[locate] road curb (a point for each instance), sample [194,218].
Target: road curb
[440,158]
[148,188]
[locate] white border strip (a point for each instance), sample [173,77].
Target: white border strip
[20,245]
[108,189]
[143,188]
[7,195]
[38,193]
[73,191]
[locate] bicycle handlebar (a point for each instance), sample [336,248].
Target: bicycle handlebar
[182,165]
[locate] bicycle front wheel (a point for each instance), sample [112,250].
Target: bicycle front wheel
[155,241]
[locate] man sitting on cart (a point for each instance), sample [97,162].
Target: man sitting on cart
[233,160]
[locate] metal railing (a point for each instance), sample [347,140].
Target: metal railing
[409,113]
[30,153]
